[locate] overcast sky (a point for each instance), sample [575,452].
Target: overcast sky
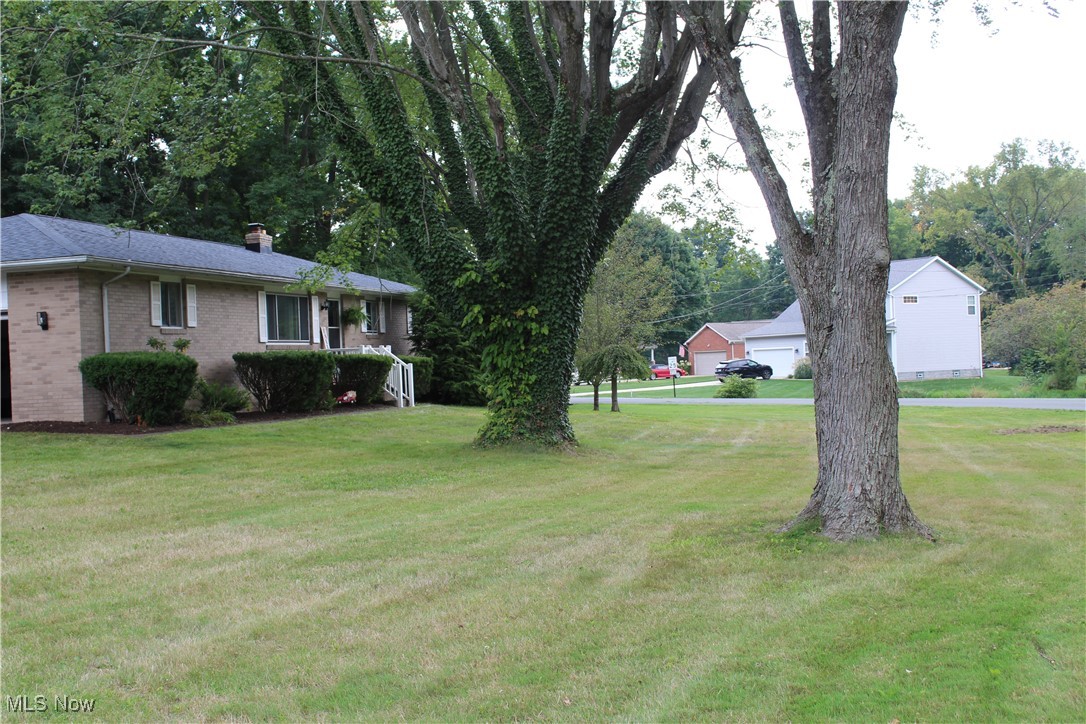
[974,89]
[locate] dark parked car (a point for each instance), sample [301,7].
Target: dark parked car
[663,372]
[743,368]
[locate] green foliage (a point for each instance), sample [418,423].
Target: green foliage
[157,344]
[291,381]
[455,370]
[106,126]
[212,418]
[181,344]
[1021,218]
[1065,371]
[803,369]
[363,373]
[146,386]
[687,292]
[629,291]
[220,397]
[1045,325]
[423,368]
[614,361]
[737,387]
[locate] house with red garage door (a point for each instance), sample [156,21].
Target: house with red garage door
[718,342]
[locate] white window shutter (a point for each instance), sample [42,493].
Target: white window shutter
[315,327]
[381,317]
[190,302]
[262,305]
[156,304]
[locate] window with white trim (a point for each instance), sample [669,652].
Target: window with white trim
[971,305]
[375,317]
[909,299]
[172,304]
[287,318]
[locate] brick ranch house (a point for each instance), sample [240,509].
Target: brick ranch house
[71,289]
[718,342]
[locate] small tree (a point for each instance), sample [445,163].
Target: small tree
[613,361]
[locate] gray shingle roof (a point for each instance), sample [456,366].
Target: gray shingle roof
[790,320]
[28,237]
[734,331]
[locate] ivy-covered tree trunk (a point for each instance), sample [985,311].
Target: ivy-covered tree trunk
[510,177]
[840,267]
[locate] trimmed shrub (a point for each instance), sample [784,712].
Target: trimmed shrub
[149,386]
[293,381]
[217,397]
[424,372]
[363,373]
[803,369]
[736,387]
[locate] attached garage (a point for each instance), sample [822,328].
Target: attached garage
[781,359]
[704,363]
[718,342]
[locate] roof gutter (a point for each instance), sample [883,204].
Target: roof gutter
[105,304]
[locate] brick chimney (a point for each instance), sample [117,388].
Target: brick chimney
[258,240]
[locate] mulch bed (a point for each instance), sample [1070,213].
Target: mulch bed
[120,428]
[1042,429]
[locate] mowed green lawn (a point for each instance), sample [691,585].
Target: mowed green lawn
[376,566]
[995,383]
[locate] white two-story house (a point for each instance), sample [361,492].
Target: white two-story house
[932,325]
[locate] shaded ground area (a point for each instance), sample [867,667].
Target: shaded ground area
[120,428]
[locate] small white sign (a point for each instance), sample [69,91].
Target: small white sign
[673,365]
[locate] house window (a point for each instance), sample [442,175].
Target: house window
[288,318]
[170,301]
[910,299]
[971,305]
[375,317]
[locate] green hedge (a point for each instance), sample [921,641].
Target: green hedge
[151,387]
[363,373]
[295,381]
[424,373]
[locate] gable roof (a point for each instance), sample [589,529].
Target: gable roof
[31,241]
[730,331]
[790,321]
[902,270]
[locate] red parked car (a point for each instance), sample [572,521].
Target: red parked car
[663,372]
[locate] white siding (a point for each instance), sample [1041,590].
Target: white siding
[780,353]
[937,335]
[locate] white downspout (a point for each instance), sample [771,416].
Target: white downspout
[105,304]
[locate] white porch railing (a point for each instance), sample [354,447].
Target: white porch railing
[400,385]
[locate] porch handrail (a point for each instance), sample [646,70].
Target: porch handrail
[400,383]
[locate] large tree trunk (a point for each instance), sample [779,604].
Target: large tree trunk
[839,268]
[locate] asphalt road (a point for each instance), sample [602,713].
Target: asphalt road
[1019,403]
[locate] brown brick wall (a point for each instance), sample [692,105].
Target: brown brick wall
[45,379]
[709,341]
[46,384]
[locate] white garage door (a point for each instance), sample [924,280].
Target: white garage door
[781,359]
[705,362]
